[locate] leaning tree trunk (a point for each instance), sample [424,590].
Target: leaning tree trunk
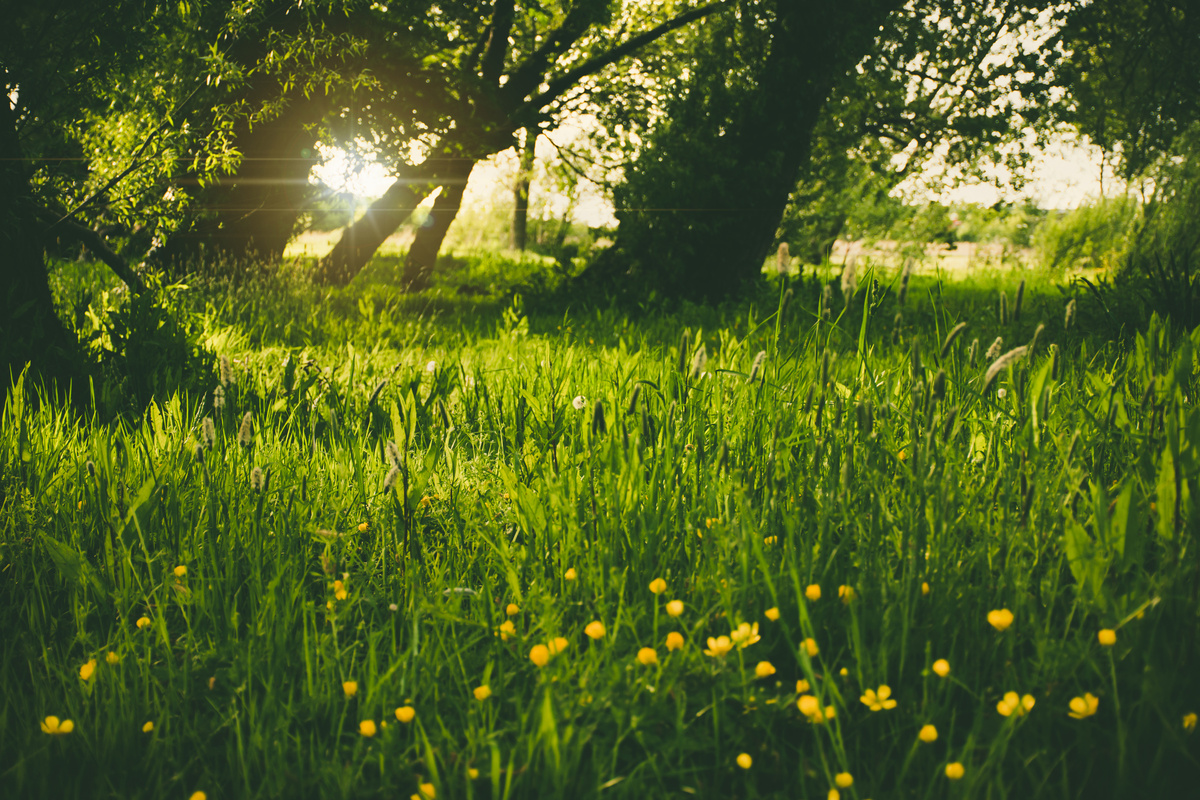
[520,228]
[422,256]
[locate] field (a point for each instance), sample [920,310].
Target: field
[463,545]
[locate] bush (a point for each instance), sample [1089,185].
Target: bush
[1096,234]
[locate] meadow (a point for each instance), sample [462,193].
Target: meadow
[807,544]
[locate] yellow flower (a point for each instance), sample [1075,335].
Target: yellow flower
[809,706]
[802,686]
[571,574]
[507,629]
[745,635]
[658,586]
[810,646]
[198,795]
[1107,637]
[180,571]
[1085,706]
[52,726]
[1000,619]
[764,669]
[954,770]
[674,641]
[362,527]
[770,540]
[834,794]
[878,699]
[512,609]
[88,670]
[483,692]
[647,656]
[427,791]
[744,760]
[557,645]
[927,734]
[844,672]
[143,622]
[367,728]
[1012,704]
[847,594]
[405,714]
[149,726]
[813,592]
[844,780]
[924,588]
[539,654]
[350,688]
[941,667]
[675,608]
[1189,721]
[771,614]
[339,590]
[472,773]
[718,647]
[112,658]
[595,629]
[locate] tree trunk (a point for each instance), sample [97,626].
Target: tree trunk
[422,256]
[520,228]
[361,238]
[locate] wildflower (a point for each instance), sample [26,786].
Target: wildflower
[927,734]
[180,571]
[148,727]
[246,430]
[844,780]
[198,795]
[1012,704]
[1189,721]
[847,594]
[744,760]
[393,607]
[595,629]
[802,686]
[557,645]
[647,656]
[482,692]
[1000,619]
[924,588]
[431,366]
[512,609]
[52,726]
[674,641]
[571,574]
[472,773]
[427,791]
[845,673]
[405,714]
[810,646]
[771,614]
[878,699]
[813,592]
[88,670]
[339,590]
[1085,706]
[367,728]
[834,794]
[941,667]
[112,658]
[954,770]
[350,688]
[362,527]
[675,608]
[1107,637]
[718,647]
[506,630]
[764,669]
[539,654]
[770,540]
[745,635]
[143,622]
[580,402]
[1002,393]
[658,586]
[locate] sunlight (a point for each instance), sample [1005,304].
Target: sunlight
[355,172]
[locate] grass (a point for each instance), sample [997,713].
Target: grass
[548,467]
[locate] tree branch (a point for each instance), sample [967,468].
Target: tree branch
[92,241]
[497,41]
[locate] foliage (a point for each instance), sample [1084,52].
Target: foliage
[1095,234]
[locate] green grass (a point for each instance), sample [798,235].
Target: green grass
[1065,494]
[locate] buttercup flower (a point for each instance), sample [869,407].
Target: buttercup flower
[927,734]
[198,795]
[834,794]
[941,668]
[647,656]
[1189,721]
[844,672]
[143,622]
[1012,704]
[362,527]
[924,588]
[350,688]
[557,645]
[771,614]
[764,669]
[878,699]
[112,658]
[718,647]
[367,728]
[1000,619]
[506,630]
[844,780]
[770,540]
[744,760]
[148,727]
[427,791]
[180,571]
[339,590]
[512,609]
[674,641]
[802,686]
[571,574]
[54,727]
[482,692]
[812,592]
[810,646]
[405,714]
[88,670]
[472,773]
[675,608]
[539,654]
[847,594]
[1082,707]
[954,770]
[1107,637]
[745,635]
[595,629]
[658,586]
[810,707]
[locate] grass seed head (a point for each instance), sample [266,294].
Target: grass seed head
[1069,315]
[783,259]
[226,372]
[208,432]
[1020,299]
[633,399]
[246,430]
[1003,362]
[955,332]
[993,352]
[390,480]
[218,398]
[939,385]
[826,301]
[1003,308]
[393,454]
[850,277]
[685,348]
[91,468]
[258,481]
[973,352]
[598,426]
[699,361]
[757,365]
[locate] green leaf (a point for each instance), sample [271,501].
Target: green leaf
[70,563]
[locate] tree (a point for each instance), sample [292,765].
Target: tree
[520,226]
